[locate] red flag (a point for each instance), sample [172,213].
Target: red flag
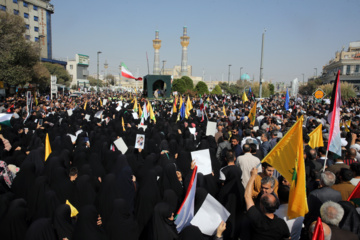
[355,195]
[318,231]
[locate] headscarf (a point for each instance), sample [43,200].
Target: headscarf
[62,222]
[164,229]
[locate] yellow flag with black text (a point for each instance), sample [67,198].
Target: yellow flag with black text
[316,137]
[252,115]
[287,157]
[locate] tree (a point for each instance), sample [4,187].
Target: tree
[201,88]
[271,88]
[347,90]
[216,90]
[17,56]
[60,72]
[179,85]
[310,87]
[41,76]
[94,82]
[110,79]
[189,83]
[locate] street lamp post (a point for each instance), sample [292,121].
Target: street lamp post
[229,75]
[106,65]
[261,64]
[98,53]
[303,79]
[240,73]
[315,72]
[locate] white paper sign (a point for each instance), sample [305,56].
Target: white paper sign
[135,115]
[210,215]
[140,141]
[203,161]
[87,117]
[73,138]
[78,132]
[104,102]
[143,127]
[121,145]
[69,112]
[211,128]
[118,108]
[98,114]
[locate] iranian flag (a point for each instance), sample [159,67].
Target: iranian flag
[127,74]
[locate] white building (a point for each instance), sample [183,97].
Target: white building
[78,70]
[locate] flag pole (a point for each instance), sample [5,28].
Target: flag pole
[326,156]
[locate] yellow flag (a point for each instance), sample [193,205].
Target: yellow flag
[135,108]
[174,105]
[47,147]
[135,91]
[181,102]
[347,125]
[188,107]
[140,111]
[74,211]
[224,111]
[287,157]
[100,103]
[208,99]
[252,115]
[123,124]
[316,137]
[152,115]
[85,105]
[244,98]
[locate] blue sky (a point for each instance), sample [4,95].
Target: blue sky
[300,35]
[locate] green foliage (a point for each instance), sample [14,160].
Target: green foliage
[310,87]
[17,56]
[41,76]
[271,88]
[110,79]
[265,89]
[60,72]
[94,81]
[189,83]
[216,90]
[347,90]
[179,85]
[201,88]
[233,89]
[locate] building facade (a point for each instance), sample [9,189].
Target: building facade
[348,62]
[37,17]
[78,70]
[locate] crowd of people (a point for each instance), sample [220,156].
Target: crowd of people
[136,194]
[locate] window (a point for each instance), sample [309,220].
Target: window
[357,68]
[35,8]
[2,7]
[71,67]
[36,18]
[25,4]
[36,29]
[15,1]
[26,15]
[347,69]
[27,37]
[27,26]
[16,12]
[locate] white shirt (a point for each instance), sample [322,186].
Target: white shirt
[295,225]
[247,162]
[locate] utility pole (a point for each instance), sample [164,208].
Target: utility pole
[229,75]
[261,63]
